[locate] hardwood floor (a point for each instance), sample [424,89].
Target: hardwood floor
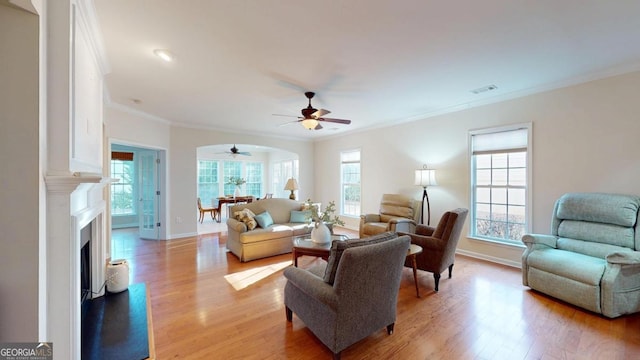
[208,305]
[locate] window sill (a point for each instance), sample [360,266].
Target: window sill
[497,242]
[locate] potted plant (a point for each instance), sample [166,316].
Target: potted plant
[323,221]
[237,181]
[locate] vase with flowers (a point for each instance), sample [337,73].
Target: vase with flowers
[238,182]
[323,221]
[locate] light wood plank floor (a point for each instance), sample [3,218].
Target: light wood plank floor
[483,312]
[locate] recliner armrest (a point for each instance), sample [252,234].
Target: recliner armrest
[370,218]
[540,239]
[402,220]
[312,285]
[624,258]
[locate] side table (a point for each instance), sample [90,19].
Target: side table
[411,254]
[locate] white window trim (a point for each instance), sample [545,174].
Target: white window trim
[529,188]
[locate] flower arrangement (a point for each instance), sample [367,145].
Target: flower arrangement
[237,181]
[327,216]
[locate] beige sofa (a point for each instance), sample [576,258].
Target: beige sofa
[273,240]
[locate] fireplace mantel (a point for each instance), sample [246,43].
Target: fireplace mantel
[73,201]
[69,183]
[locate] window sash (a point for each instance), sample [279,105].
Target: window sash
[500,174]
[351,190]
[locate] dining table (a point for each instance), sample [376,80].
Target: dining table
[231,200]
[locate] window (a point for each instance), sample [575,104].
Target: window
[350,179]
[123,191]
[283,171]
[231,169]
[500,174]
[213,176]
[208,181]
[254,179]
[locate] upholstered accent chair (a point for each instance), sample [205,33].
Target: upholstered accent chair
[438,244]
[591,259]
[354,294]
[397,213]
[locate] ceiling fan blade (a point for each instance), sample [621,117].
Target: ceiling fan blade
[246,153]
[291,122]
[320,113]
[339,121]
[285,115]
[318,127]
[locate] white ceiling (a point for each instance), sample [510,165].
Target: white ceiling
[375,62]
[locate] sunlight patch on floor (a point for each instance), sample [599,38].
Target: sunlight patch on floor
[242,279]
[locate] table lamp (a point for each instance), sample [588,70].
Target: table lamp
[291,185]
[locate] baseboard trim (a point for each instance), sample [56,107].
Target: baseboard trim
[497,260]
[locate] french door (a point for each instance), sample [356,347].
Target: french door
[148,207]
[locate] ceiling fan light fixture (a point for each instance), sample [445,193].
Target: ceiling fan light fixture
[309,124]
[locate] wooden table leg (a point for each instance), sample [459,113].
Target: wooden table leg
[295,258]
[415,276]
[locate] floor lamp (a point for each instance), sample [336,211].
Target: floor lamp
[425,177]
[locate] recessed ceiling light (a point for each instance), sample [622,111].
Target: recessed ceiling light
[484,89]
[163,54]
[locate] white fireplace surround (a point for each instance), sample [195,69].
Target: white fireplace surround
[73,202]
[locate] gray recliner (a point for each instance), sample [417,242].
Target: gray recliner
[592,257]
[352,295]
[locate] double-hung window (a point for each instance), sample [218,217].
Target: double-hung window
[350,182]
[254,179]
[123,192]
[208,181]
[500,179]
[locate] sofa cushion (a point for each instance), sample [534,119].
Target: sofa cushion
[299,216]
[597,232]
[264,219]
[247,217]
[339,246]
[600,208]
[582,268]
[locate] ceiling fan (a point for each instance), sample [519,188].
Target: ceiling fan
[235,152]
[312,118]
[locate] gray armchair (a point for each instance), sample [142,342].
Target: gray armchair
[397,213]
[351,296]
[592,257]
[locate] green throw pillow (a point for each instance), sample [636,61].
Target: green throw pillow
[299,216]
[338,247]
[264,219]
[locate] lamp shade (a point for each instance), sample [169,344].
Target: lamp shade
[425,177]
[292,184]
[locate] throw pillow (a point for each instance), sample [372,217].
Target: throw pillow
[299,216]
[264,220]
[247,217]
[338,247]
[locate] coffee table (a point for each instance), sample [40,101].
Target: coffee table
[302,245]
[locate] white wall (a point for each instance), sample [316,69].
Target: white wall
[182,144]
[182,177]
[585,138]
[19,156]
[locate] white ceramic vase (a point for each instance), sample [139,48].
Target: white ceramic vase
[237,192]
[321,234]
